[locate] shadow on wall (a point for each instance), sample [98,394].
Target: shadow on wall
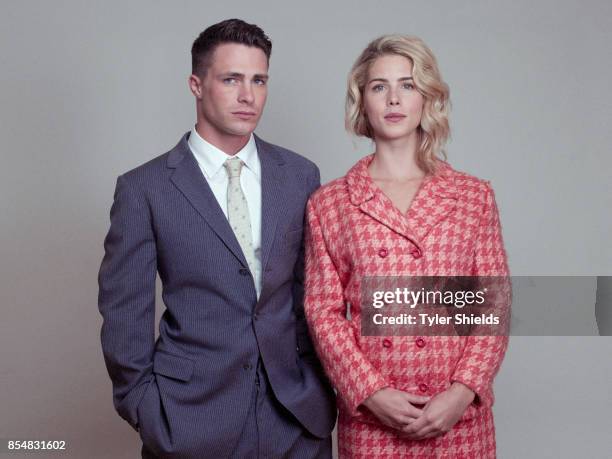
[603,305]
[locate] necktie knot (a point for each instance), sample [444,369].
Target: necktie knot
[233,166]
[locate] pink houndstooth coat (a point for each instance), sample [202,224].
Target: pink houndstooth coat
[451,228]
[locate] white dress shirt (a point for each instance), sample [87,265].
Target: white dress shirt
[211,160]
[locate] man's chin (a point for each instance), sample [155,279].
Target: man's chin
[242,130]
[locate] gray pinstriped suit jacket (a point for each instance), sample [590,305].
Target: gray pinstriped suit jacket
[188,392]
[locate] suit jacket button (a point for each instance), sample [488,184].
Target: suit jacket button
[423,387]
[382,253]
[386,343]
[247,366]
[420,342]
[244,271]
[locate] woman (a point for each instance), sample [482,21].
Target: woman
[402,211]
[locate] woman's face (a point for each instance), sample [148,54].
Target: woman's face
[392,104]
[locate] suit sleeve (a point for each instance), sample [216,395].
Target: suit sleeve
[305,346]
[482,355]
[335,337]
[126,299]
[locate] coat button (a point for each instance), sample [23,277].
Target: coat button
[382,253]
[423,387]
[244,271]
[246,366]
[255,317]
[420,342]
[416,253]
[386,343]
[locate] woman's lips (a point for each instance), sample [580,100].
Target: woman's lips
[394,117]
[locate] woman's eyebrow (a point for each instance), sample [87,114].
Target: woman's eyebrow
[384,80]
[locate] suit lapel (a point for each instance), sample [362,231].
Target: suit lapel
[190,181]
[273,202]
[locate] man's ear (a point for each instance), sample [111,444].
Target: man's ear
[195,85]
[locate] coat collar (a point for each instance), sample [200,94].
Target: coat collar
[362,188]
[434,201]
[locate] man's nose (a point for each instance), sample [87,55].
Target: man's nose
[246,94]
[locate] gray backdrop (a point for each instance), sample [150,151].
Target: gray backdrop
[91,89]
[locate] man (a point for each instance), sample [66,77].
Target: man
[219,217]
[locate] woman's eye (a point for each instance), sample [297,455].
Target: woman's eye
[378,88]
[408,86]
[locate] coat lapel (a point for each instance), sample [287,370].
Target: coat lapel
[435,200]
[273,191]
[188,178]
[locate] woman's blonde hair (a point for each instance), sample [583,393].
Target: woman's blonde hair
[434,128]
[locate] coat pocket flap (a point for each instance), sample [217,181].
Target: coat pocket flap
[173,366]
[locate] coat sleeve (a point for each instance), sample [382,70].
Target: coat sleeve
[334,336]
[482,355]
[126,299]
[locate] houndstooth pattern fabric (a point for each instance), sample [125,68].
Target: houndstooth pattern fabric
[451,228]
[238,211]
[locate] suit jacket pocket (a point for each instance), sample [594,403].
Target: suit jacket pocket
[293,236]
[152,420]
[173,366]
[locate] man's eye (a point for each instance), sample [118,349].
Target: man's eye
[230,80]
[260,82]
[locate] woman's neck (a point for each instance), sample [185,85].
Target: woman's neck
[396,160]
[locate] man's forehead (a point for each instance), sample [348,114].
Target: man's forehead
[238,53]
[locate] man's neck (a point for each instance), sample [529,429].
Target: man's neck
[228,144]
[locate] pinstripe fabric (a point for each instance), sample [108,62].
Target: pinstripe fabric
[188,393]
[451,229]
[271,432]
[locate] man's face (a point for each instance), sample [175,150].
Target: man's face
[233,92]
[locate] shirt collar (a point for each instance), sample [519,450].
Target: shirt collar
[211,158]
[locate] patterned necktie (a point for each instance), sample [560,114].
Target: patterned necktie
[238,211]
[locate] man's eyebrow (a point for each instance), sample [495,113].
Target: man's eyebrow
[384,80]
[262,76]
[233,74]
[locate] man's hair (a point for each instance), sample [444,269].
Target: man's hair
[228,31]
